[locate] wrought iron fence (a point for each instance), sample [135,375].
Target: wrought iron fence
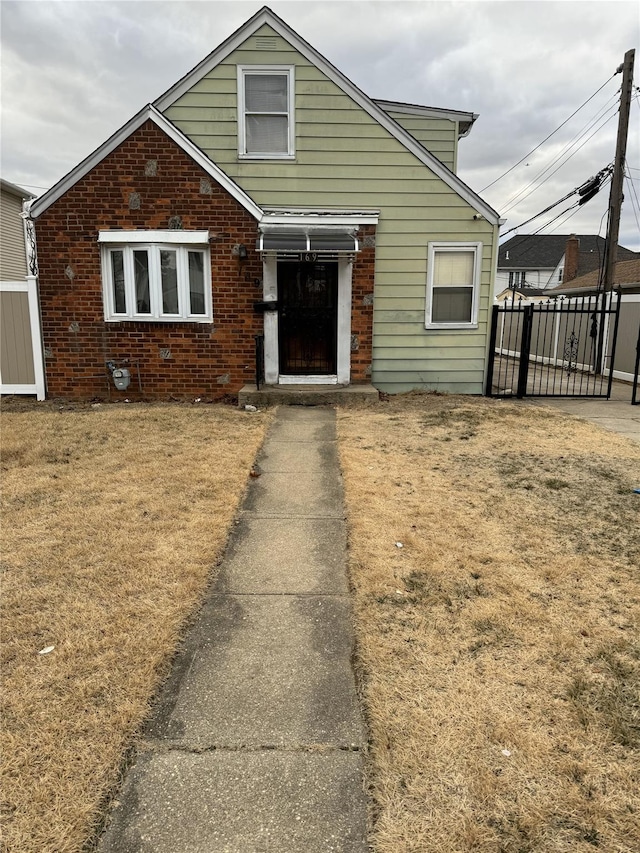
[556,348]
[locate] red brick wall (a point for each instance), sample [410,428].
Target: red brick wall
[207,360]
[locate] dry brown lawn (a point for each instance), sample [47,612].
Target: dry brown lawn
[113,518]
[499,647]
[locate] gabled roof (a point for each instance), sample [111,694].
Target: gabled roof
[545,251]
[267,17]
[465,119]
[148,113]
[625,273]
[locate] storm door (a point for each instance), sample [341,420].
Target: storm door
[308,318]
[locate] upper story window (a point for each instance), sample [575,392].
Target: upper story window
[151,275]
[516,279]
[266,124]
[453,282]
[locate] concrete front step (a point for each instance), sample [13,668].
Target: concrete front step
[305,395]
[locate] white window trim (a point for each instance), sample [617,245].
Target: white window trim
[289,70]
[175,237]
[476,248]
[139,242]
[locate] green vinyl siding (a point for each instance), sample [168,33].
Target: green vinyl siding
[439,136]
[345,159]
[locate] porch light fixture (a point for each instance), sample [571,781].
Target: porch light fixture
[239,251]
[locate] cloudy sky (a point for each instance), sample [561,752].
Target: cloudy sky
[73,72]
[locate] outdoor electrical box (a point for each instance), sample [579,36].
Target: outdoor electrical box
[121,378]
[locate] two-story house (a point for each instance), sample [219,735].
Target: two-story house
[266,195]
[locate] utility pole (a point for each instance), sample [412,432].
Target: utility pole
[615,196]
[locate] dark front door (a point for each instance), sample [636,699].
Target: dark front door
[308,318]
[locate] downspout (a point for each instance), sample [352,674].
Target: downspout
[494,273]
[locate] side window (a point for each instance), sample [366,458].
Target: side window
[453,278]
[155,281]
[266,123]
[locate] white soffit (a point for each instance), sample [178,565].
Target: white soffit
[266,17]
[147,113]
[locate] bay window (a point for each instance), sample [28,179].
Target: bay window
[156,275]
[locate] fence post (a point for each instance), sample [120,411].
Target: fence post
[525,348]
[615,338]
[492,350]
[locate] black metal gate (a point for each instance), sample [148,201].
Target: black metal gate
[635,401]
[558,348]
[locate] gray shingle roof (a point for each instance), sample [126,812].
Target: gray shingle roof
[544,251]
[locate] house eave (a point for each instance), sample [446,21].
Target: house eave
[465,120]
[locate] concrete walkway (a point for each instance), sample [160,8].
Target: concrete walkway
[255,744]
[616,414]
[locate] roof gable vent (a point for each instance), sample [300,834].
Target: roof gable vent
[266,43]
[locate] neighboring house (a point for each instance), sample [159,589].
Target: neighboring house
[265,194]
[21,366]
[544,261]
[626,280]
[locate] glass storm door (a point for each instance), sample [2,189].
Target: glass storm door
[308,318]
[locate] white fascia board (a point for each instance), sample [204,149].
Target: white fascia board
[147,113]
[428,112]
[15,190]
[266,16]
[174,236]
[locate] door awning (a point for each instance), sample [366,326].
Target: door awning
[320,241]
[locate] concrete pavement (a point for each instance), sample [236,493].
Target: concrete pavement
[256,742]
[616,414]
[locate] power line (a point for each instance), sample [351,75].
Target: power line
[561,153]
[635,202]
[519,198]
[586,191]
[550,135]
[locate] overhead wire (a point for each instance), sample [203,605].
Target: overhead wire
[635,202]
[547,138]
[518,198]
[598,180]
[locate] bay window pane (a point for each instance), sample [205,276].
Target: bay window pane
[141,280]
[266,93]
[117,273]
[452,304]
[169,274]
[196,282]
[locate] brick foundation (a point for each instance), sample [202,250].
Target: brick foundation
[148,182]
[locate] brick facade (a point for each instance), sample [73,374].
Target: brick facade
[149,182]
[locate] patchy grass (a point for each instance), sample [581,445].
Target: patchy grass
[499,647]
[113,519]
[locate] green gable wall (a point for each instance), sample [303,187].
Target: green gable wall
[438,135]
[345,159]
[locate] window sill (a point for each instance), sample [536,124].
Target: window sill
[444,327]
[278,157]
[164,320]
